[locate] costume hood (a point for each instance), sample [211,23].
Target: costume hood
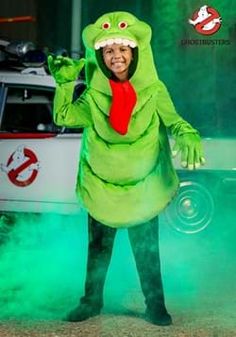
[122,28]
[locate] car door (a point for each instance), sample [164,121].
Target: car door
[38,160]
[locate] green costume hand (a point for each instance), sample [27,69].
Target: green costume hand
[190,146]
[65,69]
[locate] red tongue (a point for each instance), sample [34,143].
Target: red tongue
[123,101]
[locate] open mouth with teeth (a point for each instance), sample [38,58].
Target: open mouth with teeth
[108,42]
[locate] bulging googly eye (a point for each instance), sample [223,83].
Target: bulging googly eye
[123,25]
[106,25]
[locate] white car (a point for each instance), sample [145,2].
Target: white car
[39,160]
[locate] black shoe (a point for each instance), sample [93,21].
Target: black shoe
[161,317]
[81,313]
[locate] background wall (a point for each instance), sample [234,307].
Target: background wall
[51,26]
[18,30]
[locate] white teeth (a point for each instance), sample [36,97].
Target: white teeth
[118,41]
[97,46]
[103,44]
[132,44]
[126,42]
[109,42]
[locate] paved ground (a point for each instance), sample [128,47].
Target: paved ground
[208,324]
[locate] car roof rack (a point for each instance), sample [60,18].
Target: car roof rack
[22,54]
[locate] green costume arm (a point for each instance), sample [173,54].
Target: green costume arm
[168,114]
[67,113]
[188,141]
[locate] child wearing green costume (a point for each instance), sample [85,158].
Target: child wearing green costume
[126,177]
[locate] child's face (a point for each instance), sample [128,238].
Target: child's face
[117,58]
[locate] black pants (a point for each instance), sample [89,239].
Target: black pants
[144,239]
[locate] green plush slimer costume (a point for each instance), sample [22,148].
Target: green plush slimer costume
[126,176]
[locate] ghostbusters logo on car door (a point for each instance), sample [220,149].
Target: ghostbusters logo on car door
[22,166]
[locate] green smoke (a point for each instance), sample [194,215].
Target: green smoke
[43,263]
